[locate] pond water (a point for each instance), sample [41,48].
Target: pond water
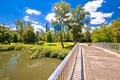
[16,65]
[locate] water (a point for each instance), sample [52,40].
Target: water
[16,65]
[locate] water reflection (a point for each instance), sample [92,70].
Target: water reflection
[18,67]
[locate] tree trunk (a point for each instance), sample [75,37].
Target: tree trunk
[61,40]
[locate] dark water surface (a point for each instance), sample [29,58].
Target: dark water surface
[16,65]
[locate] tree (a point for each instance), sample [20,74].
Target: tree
[87,34]
[102,34]
[20,27]
[49,36]
[16,37]
[61,10]
[29,36]
[115,26]
[76,23]
[42,35]
[5,34]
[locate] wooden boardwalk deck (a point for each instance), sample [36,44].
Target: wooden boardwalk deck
[77,69]
[100,65]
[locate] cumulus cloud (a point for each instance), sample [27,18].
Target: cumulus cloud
[50,16]
[32,11]
[38,27]
[99,17]
[96,17]
[92,6]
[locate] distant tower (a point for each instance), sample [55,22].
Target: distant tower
[47,27]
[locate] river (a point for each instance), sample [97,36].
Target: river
[16,65]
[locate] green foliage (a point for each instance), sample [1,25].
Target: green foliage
[49,36]
[87,34]
[46,52]
[61,10]
[102,34]
[40,42]
[76,23]
[5,34]
[115,26]
[52,52]
[16,37]
[36,54]
[29,36]
[6,47]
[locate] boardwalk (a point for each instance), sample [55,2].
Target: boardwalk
[101,65]
[77,70]
[92,64]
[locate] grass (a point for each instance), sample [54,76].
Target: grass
[52,50]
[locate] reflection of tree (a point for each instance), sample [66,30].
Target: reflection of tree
[4,59]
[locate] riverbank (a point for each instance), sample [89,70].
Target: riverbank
[53,50]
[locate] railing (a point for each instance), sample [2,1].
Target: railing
[110,46]
[64,70]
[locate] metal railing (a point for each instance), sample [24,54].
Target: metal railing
[65,69]
[110,46]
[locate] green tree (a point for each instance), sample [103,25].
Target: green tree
[16,37]
[49,36]
[61,10]
[115,26]
[20,27]
[29,36]
[102,34]
[5,34]
[42,35]
[87,34]
[76,23]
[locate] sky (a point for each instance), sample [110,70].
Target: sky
[39,12]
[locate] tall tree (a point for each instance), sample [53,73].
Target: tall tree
[29,36]
[20,27]
[76,23]
[115,26]
[61,10]
[87,34]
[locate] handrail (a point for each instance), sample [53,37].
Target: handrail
[64,70]
[110,46]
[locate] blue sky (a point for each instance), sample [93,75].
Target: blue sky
[39,12]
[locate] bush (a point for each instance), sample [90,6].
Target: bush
[40,42]
[54,53]
[6,48]
[62,54]
[36,54]
[18,47]
[46,52]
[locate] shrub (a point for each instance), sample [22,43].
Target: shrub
[54,53]
[40,42]
[36,54]
[46,52]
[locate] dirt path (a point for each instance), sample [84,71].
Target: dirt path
[101,65]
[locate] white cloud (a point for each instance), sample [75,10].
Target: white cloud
[93,5]
[119,7]
[35,22]
[38,27]
[26,18]
[50,16]
[96,17]
[99,17]
[32,11]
